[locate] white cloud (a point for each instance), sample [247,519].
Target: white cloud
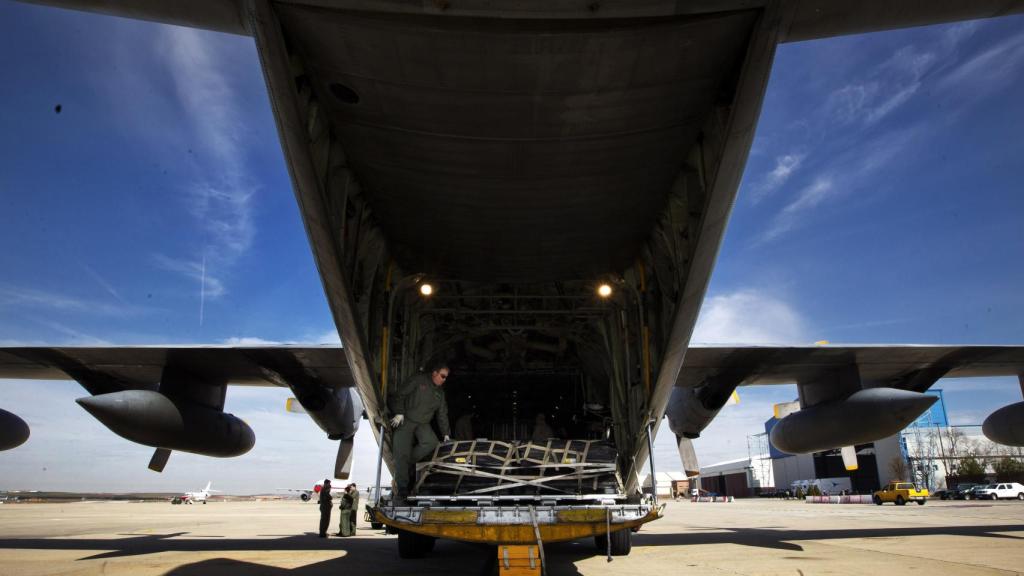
[785,166]
[985,72]
[211,107]
[808,198]
[220,191]
[249,341]
[329,337]
[211,287]
[18,297]
[891,103]
[847,104]
[103,283]
[883,89]
[748,317]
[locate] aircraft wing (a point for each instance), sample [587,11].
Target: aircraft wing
[912,368]
[112,369]
[847,394]
[172,398]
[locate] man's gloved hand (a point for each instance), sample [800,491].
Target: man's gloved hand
[447,438]
[397,420]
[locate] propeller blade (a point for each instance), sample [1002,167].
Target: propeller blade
[850,457]
[688,457]
[159,459]
[343,464]
[786,408]
[292,405]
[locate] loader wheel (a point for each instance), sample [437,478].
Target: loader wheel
[877,500]
[900,501]
[920,502]
[376,525]
[413,545]
[622,542]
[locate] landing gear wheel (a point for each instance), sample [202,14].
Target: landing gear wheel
[413,545]
[920,502]
[900,501]
[877,500]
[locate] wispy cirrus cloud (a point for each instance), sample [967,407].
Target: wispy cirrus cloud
[210,105]
[785,166]
[853,120]
[809,197]
[35,299]
[212,287]
[216,187]
[987,71]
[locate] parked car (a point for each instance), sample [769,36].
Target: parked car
[900,493]
[961,490]
[972,492]
[1001,490]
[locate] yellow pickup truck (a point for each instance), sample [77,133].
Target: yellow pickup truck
[901,493]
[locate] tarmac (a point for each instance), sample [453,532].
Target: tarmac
[742,537]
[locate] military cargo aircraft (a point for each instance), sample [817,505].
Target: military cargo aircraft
[535,193]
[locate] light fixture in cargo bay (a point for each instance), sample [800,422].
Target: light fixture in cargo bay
[426,289]
[604,290]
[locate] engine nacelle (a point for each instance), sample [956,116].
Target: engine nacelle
[1006,425]
[336,412]
[690,410]
[152,419]
[13,430]
[862,417]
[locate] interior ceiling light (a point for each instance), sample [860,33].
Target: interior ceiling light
[426,289]
[604,290]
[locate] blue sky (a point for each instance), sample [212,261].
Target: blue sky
[881,203]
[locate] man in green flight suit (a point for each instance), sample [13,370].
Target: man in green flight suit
[415,404]
[349,506]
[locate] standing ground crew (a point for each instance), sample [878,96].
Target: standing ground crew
[355,507]
[415,404]
[325,508]
[349,501]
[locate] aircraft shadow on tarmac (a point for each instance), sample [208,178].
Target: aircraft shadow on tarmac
[782,539]
[379,556]
[360,555]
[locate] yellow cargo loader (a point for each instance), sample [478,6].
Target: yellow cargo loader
[518,530]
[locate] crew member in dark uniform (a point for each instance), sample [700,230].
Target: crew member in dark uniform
[415,404]
[325,508]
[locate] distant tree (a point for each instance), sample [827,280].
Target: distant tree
[898,469]
[971,466]
[1008,469]
[955,438]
